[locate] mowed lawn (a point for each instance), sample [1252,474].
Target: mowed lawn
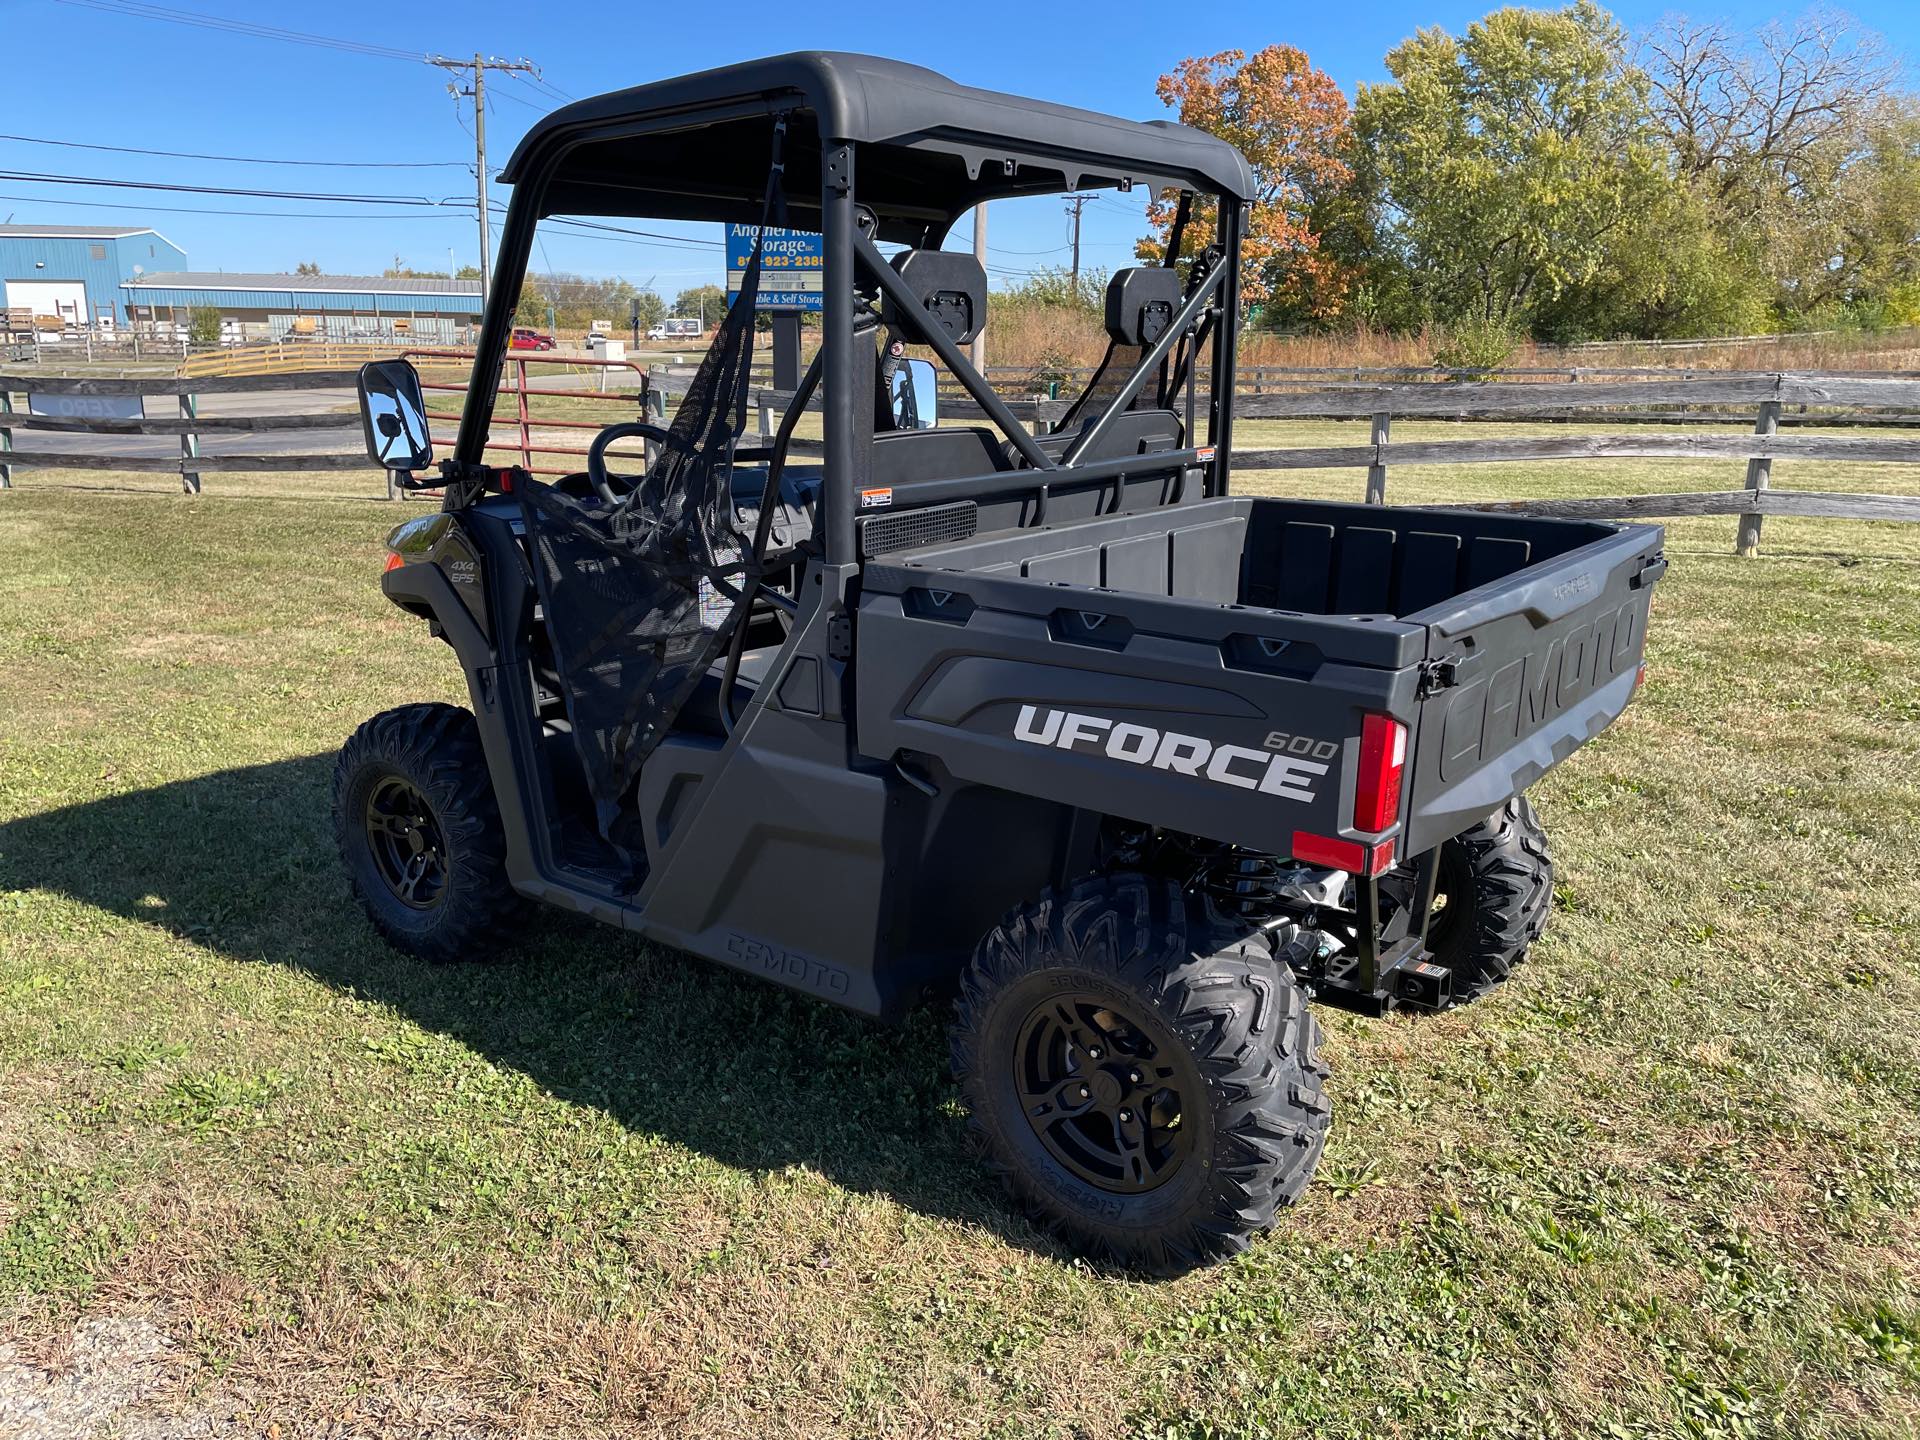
[1666,1183]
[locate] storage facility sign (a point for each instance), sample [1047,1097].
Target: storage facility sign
[791,272]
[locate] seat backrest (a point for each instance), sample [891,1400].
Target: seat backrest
[901,457]
[1134,432]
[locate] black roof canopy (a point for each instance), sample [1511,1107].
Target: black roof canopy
[929,149]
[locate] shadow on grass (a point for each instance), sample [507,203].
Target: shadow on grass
[243,862]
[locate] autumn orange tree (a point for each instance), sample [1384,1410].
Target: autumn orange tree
[1290,121]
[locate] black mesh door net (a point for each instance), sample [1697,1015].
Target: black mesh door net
[642,595]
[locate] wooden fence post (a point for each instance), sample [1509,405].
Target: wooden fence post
[1759,477]
[1377,472]
[189,447]
[653,408]
[6,437]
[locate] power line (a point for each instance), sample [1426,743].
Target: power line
[545,84]
[245,159]
[144,11]
[19,176]
[684,241]
[450,212]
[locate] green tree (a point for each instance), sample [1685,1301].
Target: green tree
[1794,133]
[1673,274]
[531,308]
[652,309]
[1505,163]
[308,267]
[203,326]
[1879,251]
[709,301]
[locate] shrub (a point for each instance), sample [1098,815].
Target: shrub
[1478,346]
[203,325]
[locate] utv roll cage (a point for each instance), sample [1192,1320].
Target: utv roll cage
[900,153]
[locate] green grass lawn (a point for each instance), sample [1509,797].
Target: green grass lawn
[1666,1183]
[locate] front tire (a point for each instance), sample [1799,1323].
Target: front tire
[1496,888]
[1144,1077]
[420,834]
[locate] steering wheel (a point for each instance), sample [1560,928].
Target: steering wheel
[597,452]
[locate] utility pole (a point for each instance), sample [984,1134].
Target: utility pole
[1075,204]
[479,65]
[979,355]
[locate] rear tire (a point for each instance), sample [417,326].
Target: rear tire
[1144,1078]
[419,832]
[1496,879]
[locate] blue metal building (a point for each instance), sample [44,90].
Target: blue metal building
[74,272]
[335,307]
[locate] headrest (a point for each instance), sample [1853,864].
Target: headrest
[952,286]
[1141,303]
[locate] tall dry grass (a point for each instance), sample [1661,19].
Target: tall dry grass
[1043,338]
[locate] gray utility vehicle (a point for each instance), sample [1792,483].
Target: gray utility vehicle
[1135,764]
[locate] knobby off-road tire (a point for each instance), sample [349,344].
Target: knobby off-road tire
[1205,1047]
[419,831]
[1497,881]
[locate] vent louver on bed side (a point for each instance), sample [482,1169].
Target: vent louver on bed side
[910,529]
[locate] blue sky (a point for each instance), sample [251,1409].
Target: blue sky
[95,72]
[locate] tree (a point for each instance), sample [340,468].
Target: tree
[652,309]
[530,309]
[1504,164]
[707,301]
[1732,107]
[1671,275]
[1795,134]
[203,326]
[308,267]
[1874,267]
[1290,121]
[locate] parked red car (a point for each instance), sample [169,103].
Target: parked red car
[525,339]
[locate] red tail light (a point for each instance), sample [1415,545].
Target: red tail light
[1353,856]
[394,561]
[1383,756]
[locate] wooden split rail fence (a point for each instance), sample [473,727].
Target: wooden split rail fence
[87,403]
[1380,405]
[1822,399]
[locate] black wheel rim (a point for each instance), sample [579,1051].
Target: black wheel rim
[403,835]
[1104,1100]
[1448,926]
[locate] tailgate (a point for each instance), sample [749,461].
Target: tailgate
[1231,722]
[1527,669]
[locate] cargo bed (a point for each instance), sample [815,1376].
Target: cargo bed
[1265,629]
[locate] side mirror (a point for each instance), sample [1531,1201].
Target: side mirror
[394,415]
[916,395]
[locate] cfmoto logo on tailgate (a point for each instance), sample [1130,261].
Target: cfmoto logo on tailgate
[1287,776]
